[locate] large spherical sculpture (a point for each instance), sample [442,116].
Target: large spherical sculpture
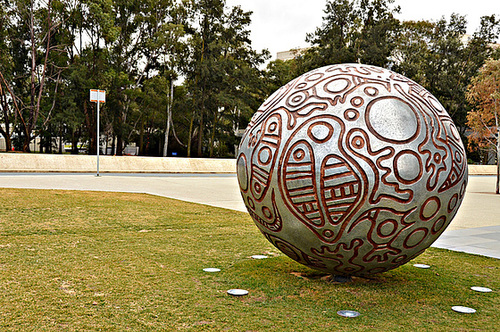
[352,169]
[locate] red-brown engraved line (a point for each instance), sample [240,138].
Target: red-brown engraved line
[257,189]
[310,97]
[243,188]
[394,185]
[422,229]
[338,196]
[369,70]
[320,141]
[340,179]
[374,132]
[316,104]
[398,177]
[388,243]
[330,253]
[334,191]
[363,183]
[276,223]
[273,143]
[340,199]
[297,193]
[441,166]
[269,104]
[293,115]
[300,192]
[421,96]
[348,68]
[260,174]
[458,168]
[304,188]
[357,82]
[386,246]
[294,185]
[429,114]
[264,118]
[297,176]
[282,168]
[297,164]
[390,153]
[453,179]
[295,253]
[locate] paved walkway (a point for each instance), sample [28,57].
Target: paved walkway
[475,229]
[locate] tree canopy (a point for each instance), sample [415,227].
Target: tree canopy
[484,119]
[182,76]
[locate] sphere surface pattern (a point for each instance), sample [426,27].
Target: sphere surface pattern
[352,169]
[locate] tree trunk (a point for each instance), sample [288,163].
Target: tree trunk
[190,137]
[200,136]
[60,141]
[6,136]
[113,145]
[74,143]
[26,144]
[119,145]
[8,143]
[169,118]
[212,137]
[141,138]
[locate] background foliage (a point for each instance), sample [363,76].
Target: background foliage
[181,75]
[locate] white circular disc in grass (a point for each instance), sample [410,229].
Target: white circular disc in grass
[237,292]
[348,313]
[259,256]
[211,269]
[463,310]
[481,289]
[422,266]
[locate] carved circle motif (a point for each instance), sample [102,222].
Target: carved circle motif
[352,169]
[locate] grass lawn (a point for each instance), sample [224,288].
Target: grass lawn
[88,261]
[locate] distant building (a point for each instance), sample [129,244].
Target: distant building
[291,54]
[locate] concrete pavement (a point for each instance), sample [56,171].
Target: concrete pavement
[475,229]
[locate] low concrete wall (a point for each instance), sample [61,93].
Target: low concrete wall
[482,169]
[31,162]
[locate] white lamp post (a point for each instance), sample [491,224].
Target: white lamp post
[98,96]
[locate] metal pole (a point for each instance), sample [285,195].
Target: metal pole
[97,143]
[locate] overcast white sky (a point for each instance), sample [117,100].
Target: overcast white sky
[280,25]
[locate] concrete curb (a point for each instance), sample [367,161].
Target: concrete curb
[47,163]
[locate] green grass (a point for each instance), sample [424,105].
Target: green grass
[88,261]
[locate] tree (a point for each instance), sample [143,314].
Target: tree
[222,74]
[440,58]
[484,119]
[33,25]
[163,48]
[6,65]
[279,72]
[361,31]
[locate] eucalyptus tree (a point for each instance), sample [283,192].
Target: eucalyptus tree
[443,58]
[361,31]
[222,74]
[6,69]
[163,49]
[484,119]
[28,62]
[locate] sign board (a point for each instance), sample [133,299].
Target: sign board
[97,96]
